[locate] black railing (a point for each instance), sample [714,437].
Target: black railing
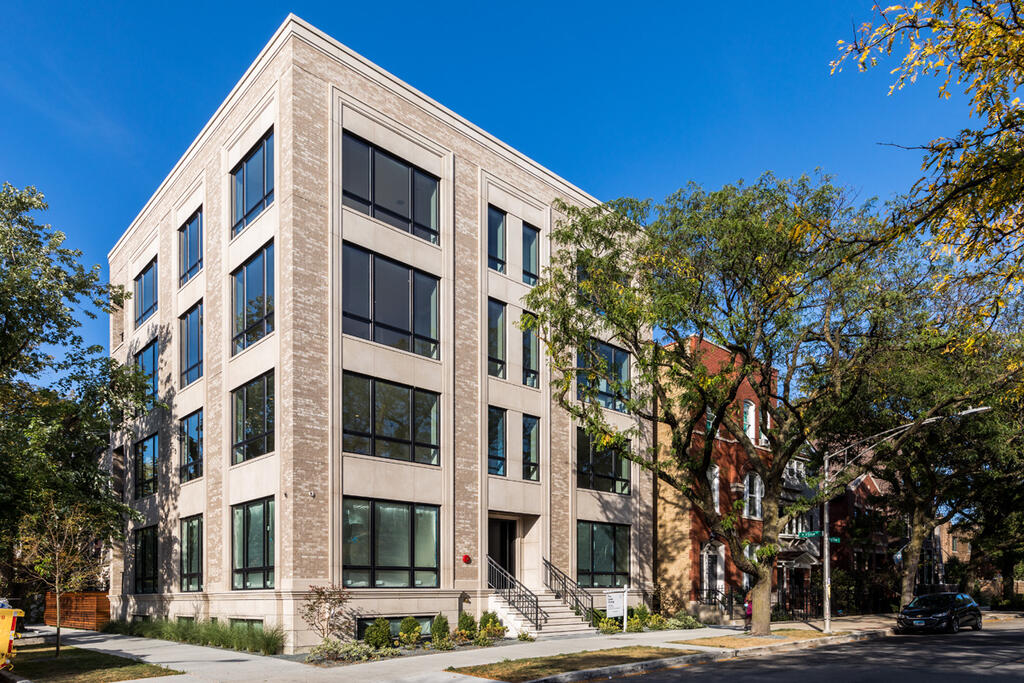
[518,596]
[725,601]
[797,602]
[575,598]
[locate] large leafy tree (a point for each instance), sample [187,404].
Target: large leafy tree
[771,272]
[968,199]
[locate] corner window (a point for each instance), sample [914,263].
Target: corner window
[252,432]
[146,360]
[600,469]
[531,254]
[190,247]
[383,186]
[146,458]
[495,338]
[496,441]
[191,342]
[388,544]
[253,299]
[144,545]
[252,184]
[602,555]
[496,239]
[389,303]
[531,448]
[390,420]
[753,493]
[192,554]
[190,444]
[252,545]
[604,374]
[146,293]
[531,355]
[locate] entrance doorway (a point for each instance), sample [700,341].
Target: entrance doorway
[501,543]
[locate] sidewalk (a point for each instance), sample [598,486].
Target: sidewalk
[214,664]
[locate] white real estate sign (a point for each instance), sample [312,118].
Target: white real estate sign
[615,603]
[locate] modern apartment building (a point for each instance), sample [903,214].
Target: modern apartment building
[327,287]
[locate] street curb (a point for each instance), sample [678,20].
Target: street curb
[12,677]
[703,657]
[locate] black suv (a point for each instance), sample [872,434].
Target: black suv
[939,611]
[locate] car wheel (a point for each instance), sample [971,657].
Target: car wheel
[954,625]
[977,624]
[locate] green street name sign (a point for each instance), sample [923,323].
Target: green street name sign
[833,539]
[809,534]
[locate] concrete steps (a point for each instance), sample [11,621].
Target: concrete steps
[556,618]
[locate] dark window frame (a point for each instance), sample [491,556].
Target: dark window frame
[190,373]
[531,467]
[190,468]
[606,398]
[497,465]
[497,257]
[146,579]
[531,355]
[154,376]
[144,314]
[414,445]
[240,445]
[189,264]
[497,366]
[269,538]
[529,277]
[588,582]
[238,223]
[146,486]
[412,336]
[370,207]
[371,535]
[191,581]
[263,325]
[586,474]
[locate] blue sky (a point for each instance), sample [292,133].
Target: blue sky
[98,100]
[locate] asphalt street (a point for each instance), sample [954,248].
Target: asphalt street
[995,653]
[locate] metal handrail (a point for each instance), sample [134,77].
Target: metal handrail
[574,597]
[518,596]
[724,600]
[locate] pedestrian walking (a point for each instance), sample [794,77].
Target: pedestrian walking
[748,612]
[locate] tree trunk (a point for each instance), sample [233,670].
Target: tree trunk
[56,593]
[919,530]
[761,622]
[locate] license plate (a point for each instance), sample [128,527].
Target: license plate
[919,622]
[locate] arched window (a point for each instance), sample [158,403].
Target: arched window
[753,492]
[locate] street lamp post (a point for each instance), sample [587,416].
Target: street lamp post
[825,543]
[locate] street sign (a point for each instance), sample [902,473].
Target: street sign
[833,539]
[615,605]
[809,534]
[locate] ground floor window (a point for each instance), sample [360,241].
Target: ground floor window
[425,624]
[602,554]
[146,560]
[252,544]
[247,623]
[388,544]
[192,554]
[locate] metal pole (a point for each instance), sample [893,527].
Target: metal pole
[827,598]
[625,607]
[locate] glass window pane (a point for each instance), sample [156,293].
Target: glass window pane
[583,559]
[425,198]
[357,578]
[238,196]
[254,536]
[426,536]
[391,578]
[392,418]
[496,337]
[496,440]
[254,180]
[496,239]
[396,450]
[254,292]
[531,254]
[355,543]
[268,283]
[355,288]
[391,522]
[391,184]
[238,537]
[428,420]
[622,548]
[269,166]
[356,403]
[425,579]
[270,539]
[355,167]
[604,548]
[391,294]
[425,305]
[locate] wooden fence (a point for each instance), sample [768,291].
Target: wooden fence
[89,610]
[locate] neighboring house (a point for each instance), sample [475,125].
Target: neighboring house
[327,287]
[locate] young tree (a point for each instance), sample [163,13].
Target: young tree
[61,548]
[774,273]
[325,610]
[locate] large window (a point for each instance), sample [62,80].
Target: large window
[389,302]
[190,247]
[385,187]
[390,420]
[192,554]
[753,493]
[495,338]
[387,544]
[192,344]
[600,469]
[146,361]
[252,544]
[253,300]
[496,239]
[749,419]
[496,441]
[714,484]
[602,555]
[146,560]
[190,443]
[252,186]
[252,433]
[531,448]
[531,355]
[145,293]
[610,367]
[146,458]
[531,254]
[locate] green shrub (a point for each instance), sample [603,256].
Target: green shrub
[378,634]
[467,624]
[482,640]
[684,620]
[641,613]
[488,618]
[607,625]
[439,629]
[634,625]
[266,640]
[526,637]
[331,650]
[409,632]
[491,626]
[656,622]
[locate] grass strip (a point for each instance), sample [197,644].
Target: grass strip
[76,665]
[518,670]
[782,635]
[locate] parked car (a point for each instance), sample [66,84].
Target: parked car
[939,612]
